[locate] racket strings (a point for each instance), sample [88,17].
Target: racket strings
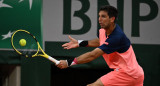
[31,45]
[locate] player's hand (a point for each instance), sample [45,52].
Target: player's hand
[72,44]
[63,64]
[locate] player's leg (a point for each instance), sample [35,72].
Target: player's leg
[96,83]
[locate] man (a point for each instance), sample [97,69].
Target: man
[116,49]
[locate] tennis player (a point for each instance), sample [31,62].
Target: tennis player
[116,49]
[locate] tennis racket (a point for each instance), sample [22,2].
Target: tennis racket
[32,47]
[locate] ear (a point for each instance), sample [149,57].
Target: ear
[112,19]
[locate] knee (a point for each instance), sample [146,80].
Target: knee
[95,84]
[89,85]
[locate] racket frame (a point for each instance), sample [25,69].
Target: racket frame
[38,50]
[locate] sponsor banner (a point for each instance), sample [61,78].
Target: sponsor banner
[139,19]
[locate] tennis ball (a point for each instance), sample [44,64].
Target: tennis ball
[22,42]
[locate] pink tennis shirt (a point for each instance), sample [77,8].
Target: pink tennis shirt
[119,52]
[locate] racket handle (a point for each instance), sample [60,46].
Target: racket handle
[53,60]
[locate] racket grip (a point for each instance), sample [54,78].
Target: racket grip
[53,60]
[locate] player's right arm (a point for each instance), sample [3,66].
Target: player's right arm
[75,43]
[84,58]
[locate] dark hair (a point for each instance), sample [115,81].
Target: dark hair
[112,11]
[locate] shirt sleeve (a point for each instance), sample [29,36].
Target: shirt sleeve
[118,43]
[110,45]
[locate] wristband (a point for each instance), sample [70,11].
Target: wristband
[74,62]
[82,43]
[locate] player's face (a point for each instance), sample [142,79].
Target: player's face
[104,19]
